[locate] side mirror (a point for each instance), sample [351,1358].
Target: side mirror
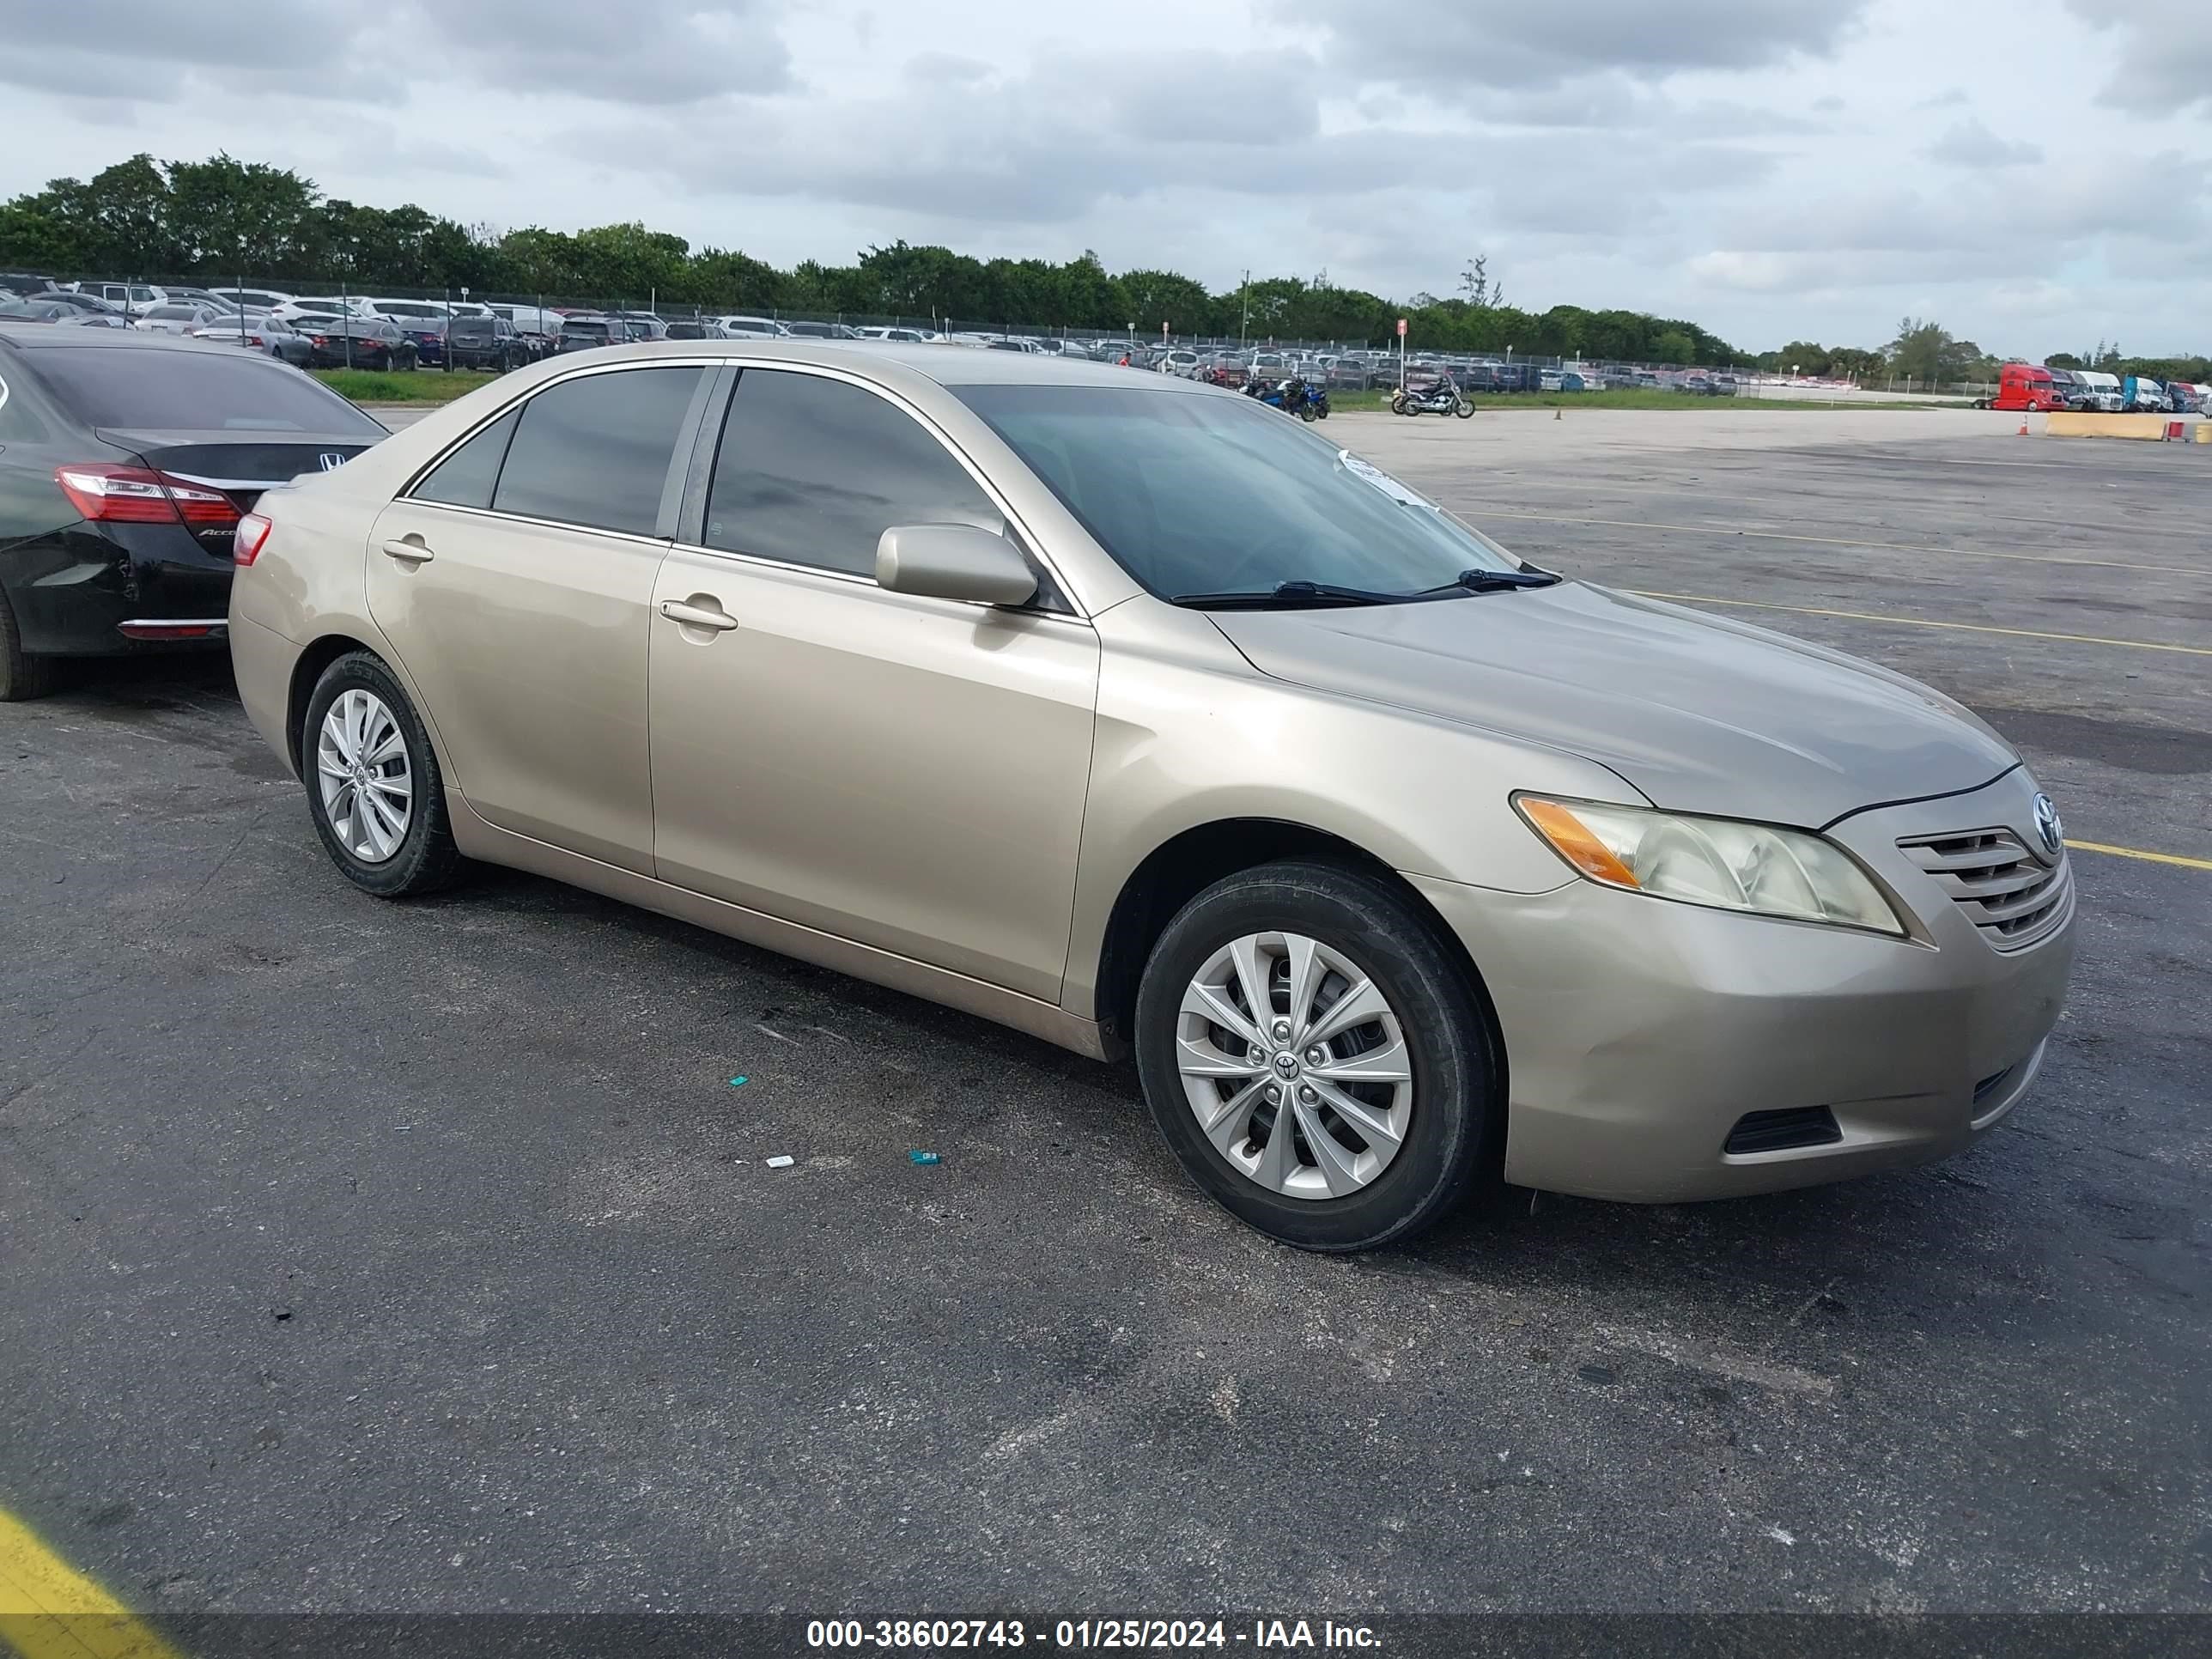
[953,561]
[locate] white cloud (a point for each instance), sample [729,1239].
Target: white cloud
[1970,144]
[1773,169]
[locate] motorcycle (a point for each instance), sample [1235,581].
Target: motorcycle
[1292,396]
[1441,398]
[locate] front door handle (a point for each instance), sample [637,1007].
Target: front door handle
[693,613]
[409,552]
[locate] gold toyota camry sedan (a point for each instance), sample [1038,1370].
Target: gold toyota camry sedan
[1125,711]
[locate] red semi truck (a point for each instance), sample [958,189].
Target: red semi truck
[2024,387]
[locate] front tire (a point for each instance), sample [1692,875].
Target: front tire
[373,788]
[1464,410]
[1374,1042]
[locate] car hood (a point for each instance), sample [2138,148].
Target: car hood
[1703,714]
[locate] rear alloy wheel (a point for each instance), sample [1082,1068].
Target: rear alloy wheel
[23,676]
[1317,1057]
[373,788]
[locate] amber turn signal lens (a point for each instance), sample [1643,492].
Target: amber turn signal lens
[1574,843]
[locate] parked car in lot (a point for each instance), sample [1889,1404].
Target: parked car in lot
[1182,729]
[427,335]
[538,325]
[22,285]
[172,317]
[251,299]
[38,309]
[489,342]
[820,331]
[371,342]
[90,305]
[583,333]
[301,313]
[126,460]
[260,333]
[764,326]
[130,298]
[200,296]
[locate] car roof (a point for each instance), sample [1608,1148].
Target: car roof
[891,360]
[44,336]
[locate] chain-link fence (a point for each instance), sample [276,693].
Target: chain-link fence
[543,313]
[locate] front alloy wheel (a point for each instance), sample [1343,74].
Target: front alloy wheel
[1319,1054]
[1295,1065]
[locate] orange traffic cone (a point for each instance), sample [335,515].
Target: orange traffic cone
[2023,426]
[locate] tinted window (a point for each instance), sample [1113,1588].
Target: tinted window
[468,477]
[814,471]
[595,451]
[197,391]
[17,423]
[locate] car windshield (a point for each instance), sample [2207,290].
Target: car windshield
[1210,493]
[198,390]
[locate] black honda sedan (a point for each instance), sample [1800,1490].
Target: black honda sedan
[126,461]
[372,342]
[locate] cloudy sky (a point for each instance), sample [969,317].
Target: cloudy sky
[2032,172]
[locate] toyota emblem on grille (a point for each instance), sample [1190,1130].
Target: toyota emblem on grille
[331,463]
[2048,829]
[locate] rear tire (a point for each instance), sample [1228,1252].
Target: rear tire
[1315,1192]
[23,676]
[420,857]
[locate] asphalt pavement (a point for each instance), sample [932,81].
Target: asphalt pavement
[423,1257]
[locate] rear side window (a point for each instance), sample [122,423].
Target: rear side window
[595,451]
[468,477]
[812,471]
[213,390]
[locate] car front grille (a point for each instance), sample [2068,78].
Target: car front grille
[2007,892]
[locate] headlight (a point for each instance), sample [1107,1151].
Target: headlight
[1712,862]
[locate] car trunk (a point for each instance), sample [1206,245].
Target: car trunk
[240,465]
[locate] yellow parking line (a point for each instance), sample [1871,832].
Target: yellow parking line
[1478,513]
[2137,853]
[1922,622]
[48,1610]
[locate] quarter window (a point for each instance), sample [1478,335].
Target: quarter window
[812,471]
[595,451]
[469,475]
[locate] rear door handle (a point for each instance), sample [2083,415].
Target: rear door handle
[692,614]
[409,552]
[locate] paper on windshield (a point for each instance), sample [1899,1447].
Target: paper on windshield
[1369,473]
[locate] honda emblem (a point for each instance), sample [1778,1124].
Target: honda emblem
[331,463]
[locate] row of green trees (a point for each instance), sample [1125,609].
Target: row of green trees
[1928,353]
[222,219]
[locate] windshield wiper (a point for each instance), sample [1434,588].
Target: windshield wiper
[1481,580]
[1289,596]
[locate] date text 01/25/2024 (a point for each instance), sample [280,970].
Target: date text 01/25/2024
[949,1635]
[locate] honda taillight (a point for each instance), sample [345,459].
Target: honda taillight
[252,531]
[138,495]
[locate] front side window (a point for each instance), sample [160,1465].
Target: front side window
[812,471]
[1196,495]
[595,451]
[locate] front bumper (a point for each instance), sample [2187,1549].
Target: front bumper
[1639,1033]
